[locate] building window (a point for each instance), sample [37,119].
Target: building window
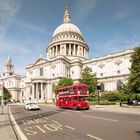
[119,85]
[41,71]
[118,71]
[22,94]
[30,90]
[102,87]
[101,74]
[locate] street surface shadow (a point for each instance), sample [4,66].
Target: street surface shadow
[138,133]
[38,116]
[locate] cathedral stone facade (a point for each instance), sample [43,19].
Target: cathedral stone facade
[67,55]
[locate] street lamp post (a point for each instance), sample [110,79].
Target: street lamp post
[98,89]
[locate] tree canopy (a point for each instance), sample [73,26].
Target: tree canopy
[65,81]
[134,77]
[90,79]
[6,94]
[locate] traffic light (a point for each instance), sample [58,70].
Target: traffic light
[98,87]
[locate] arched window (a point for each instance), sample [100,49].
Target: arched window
[102,87]
[119,85]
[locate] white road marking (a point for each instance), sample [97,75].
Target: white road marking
[43,131]
[21,134]
[70,127]
[89,135]
[78,112]
[100,118]
[55,121]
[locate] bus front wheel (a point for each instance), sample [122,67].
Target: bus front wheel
[75,107]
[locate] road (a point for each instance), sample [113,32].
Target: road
[51,123]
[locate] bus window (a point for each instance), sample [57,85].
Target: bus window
[82,99]
[74,88]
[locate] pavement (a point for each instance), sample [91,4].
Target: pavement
[7,131]
[129,109]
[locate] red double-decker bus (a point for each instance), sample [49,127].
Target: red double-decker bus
[73,97]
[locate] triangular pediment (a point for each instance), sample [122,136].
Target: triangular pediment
[40,61]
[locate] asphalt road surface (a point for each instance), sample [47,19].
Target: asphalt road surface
[51,123]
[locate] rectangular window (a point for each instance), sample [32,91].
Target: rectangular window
[41,71]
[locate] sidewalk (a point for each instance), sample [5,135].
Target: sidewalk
[117,108]
[6,130]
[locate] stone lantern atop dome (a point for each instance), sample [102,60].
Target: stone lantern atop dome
[67,18]
[67,40]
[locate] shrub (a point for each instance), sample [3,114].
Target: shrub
[123,97]
[111,96]
[136,97]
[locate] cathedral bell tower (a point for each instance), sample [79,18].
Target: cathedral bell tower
[8,68]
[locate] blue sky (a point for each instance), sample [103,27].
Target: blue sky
[26,27]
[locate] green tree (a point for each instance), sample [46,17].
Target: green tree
[90,79]
[134,77]
[65,81]
[6,94]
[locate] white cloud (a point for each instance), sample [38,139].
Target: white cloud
[118,43]
[122,14]
[13,47]
[85,7]
[30,26]
[8,10]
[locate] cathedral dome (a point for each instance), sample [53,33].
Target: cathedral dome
[67,40]
[67,27]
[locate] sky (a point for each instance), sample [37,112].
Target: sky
[27,26]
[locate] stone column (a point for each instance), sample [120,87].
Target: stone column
[33,92]
[42,92]
[78,51]
[53,51]
[49,92]
[45,91]
[83,51]
[69,49]
[65,49]
[37,93]
[56,50]
[74,50]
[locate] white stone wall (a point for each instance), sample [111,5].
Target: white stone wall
[111,68]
